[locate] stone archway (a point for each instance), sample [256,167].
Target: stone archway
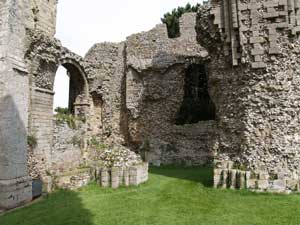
[69,62]
[79,87]
[60,146]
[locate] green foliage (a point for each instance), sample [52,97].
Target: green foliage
[48,173]
[173,195]
[60,110]
[93,142]
[145,147]
[82,118]
[171,19]
[239,166]
[32,141]
[63,115]
[66,118]
[76,141]
[273,176]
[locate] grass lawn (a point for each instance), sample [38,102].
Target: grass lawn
[172,196]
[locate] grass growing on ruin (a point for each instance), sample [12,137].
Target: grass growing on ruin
[173,196]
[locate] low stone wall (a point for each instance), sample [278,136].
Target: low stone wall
[66,154]
[227,175]
[116,177]
[74,180]
[106,177]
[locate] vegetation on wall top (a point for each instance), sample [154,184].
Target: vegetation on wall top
[31,141]
[63,115]
[60,110]
[171,19]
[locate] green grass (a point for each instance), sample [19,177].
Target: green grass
[172,196]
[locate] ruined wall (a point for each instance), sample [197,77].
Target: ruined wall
[44,15]
[141,85]
[15,185]
[40,123]
[66,152]
[189,144]
[256,99]
[106,74]
[30,56]
[16,17]
[54,153]
[116,176]
[155,89]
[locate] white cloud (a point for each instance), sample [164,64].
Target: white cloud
[81,24]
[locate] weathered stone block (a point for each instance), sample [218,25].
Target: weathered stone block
[115,179]
[225,177]
[257,40]
[262,184]
[274,50]
[251,184]
[279,185]
[105,178]
[292,184]
[233,179]
[257,51]
[258,65]
[48,185]
[126,177]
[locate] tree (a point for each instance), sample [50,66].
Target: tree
[171,19]
[60,110]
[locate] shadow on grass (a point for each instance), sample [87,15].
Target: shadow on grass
[195,174]
[59,208]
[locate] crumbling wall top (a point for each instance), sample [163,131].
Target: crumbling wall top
[153,49]
[251,30]
[44,15]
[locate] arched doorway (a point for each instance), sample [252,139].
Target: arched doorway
[78,86]
[60,138]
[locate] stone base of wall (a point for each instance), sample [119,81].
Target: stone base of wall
[188,145]
[14,193]
[113,177]
[227,176]
[116,177]
[74,180]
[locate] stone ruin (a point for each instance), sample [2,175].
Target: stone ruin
[225,93]
[254,82]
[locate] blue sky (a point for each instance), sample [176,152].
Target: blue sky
[82,23]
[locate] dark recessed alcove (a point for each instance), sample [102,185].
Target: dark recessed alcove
[197,104]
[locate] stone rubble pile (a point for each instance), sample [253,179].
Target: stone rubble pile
[119,156]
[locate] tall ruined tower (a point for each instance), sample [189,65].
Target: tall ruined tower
[254,81]
[44,15]
[16,17]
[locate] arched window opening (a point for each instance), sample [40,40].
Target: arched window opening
[197,104]
[77,87]
[61,89]
[69,89]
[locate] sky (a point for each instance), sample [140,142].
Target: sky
[82,23]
